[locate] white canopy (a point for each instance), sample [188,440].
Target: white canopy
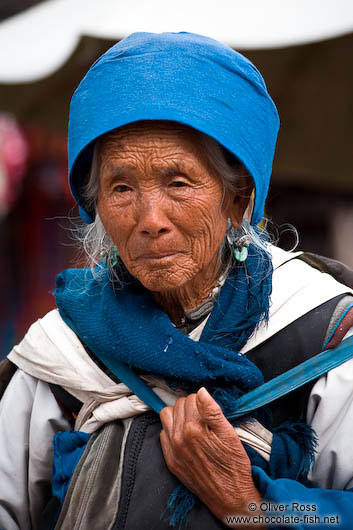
[37,42]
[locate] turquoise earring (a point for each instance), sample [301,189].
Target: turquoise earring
[111,257]
[114,256]
[240,250]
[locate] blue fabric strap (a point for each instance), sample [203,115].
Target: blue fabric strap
[137,385]
[294,378]
[260,396]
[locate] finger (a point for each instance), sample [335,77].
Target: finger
[166,447]
[211,413]
[166,416]
[194,427]
[191,411]
[179,417]
[165,442]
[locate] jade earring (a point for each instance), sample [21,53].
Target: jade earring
[111,257]
[240,250]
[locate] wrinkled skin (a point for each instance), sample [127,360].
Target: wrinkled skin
[203,450]
[163,207]
[166,211]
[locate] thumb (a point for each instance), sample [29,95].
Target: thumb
[211,413]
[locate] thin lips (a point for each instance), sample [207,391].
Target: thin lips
[156,255]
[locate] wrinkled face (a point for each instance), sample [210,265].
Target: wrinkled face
[161,203]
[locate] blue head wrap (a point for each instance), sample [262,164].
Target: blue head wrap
[182,77]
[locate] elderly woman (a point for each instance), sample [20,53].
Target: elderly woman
[171,142]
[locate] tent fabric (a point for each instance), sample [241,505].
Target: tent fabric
[50,31]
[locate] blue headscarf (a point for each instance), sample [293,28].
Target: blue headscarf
[182,77]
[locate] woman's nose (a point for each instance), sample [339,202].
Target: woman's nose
[152,218]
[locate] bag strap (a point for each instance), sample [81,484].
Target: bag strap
[292,379]
[7,370]
[341,272]
[137,385]
[260,396]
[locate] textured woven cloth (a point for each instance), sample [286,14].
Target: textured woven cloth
[126,323]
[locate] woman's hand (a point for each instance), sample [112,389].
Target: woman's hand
[203,450]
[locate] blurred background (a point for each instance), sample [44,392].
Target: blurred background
[303,48]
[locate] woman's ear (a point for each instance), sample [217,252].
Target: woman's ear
[241,200]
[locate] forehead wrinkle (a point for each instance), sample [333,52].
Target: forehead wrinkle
[155,152]
[116,170]
[131,158]
[154,155]
[127,142]
[147,136]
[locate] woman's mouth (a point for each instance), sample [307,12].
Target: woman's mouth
[158,255]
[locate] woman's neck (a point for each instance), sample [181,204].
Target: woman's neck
[176,302]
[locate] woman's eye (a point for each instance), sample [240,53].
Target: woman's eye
[178,184]
[121,188]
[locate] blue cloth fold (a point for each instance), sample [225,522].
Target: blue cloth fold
[68,449]
[323,508]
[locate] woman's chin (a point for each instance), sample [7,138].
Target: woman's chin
[163,274]
[164,280]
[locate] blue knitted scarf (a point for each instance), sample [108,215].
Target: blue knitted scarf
[126,322]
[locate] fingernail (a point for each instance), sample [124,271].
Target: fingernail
[202,394]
